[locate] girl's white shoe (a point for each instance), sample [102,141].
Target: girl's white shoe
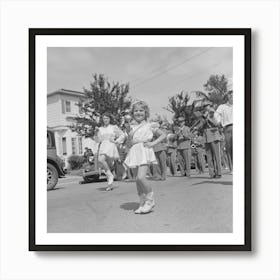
[141,204]
[149,204]
[110,180]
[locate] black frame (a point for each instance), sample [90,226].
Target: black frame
[247,141]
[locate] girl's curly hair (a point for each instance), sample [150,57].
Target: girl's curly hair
[142,104]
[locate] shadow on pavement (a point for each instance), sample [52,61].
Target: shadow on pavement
[103,189]
[226,183]
[199,177]
[56,189]
[129,205]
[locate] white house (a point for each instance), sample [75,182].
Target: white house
[62,104]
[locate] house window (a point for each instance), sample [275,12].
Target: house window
[74,146]
[80,145]
[68,106]
[49,141]
[64,147]
[63,106]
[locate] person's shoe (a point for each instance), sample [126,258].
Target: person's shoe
[141,204]
[156,178]
[124,176]
[110,177]
[218,176]
[109,188]
[149,203]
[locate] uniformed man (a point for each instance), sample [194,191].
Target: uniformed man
[212,143]
[160,150]
[184,146]
[172,152]
[199,151]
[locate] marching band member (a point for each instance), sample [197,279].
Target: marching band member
[172,153]
[160,152]
[212,143]
[184,146]
[199,151]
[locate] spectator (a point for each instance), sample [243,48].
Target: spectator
[223,115]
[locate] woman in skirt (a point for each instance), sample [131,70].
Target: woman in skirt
[141,153]
[108,136]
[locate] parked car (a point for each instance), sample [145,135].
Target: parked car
[55,164]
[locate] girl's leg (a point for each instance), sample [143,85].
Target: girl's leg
[102,160]
[149,195]
[110,176]
[142,197]
[141,178]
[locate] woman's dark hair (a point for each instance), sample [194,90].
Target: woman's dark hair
[230,92]
[110,116]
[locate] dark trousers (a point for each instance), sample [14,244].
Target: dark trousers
[186,155]
[213,158]
[161,159]
[199,160]
[228,140]
[171,158]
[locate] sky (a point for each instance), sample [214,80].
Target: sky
[154,74]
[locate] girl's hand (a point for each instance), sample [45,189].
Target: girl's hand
[148,144]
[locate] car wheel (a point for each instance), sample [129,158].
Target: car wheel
[52,176]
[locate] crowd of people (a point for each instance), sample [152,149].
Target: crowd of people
[148,149]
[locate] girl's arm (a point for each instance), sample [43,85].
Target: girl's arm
[120,135]
[162,136]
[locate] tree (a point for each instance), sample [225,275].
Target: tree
[216,88]
[178,105]
[102,97]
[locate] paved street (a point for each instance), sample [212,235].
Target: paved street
[198,204]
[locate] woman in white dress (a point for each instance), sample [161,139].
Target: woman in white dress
[108,136]
[141,154]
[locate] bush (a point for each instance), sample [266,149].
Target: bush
[76,162]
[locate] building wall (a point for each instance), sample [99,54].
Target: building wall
[57,120]
[53,110]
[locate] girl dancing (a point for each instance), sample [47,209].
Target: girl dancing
[141,153]
[108,135]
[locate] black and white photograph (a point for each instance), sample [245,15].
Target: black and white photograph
[145,139]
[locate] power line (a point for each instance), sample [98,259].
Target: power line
[182,81]
[170,68]
[151,71]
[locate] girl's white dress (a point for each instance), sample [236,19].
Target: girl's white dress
[105,136]
[138,153]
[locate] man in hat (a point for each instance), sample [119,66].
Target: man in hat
[184,146]
[171,152]
[199,151]
[160,150]
[212,143]
[223,115]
